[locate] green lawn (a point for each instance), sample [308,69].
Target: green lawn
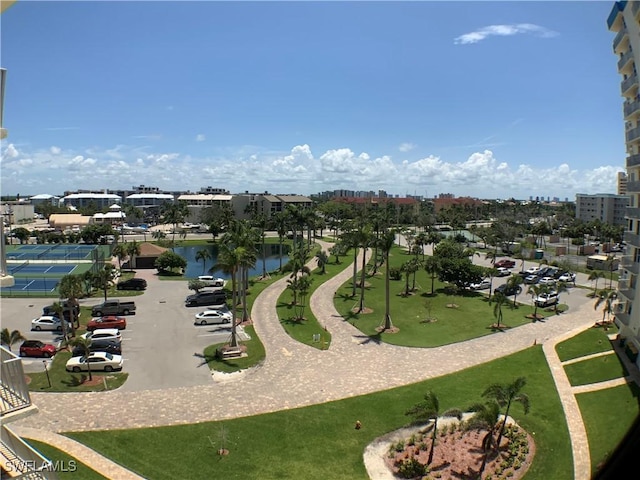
[255,355]
[319,442]
[594,370]
[607,415]
[66,466]
[593,340]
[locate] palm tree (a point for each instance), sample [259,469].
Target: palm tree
[71,288]
[280,224]
[133,250]
[535,291]
[229,260]
[500,300]
[9,338]
[175,213]
[204,255]
[606,299]
[432,266]
[486,415]
[429,410]
[102,278]
[513,283]
[322,258]
[505,395]
[120,252]
[84,344]
[386,243]
[595,275]
[364,239]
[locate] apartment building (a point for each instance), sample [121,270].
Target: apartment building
[622,183]
[17,458]
[624,20]
[606,207]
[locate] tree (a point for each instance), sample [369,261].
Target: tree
[280,222]
[486,415]
[337,250]
[535,291]
[364,236]
[513,284]
[169,261]
[71,287]
[595,275]
[196,285]
[606,299]
[500,300]
[120,252]
[133,250]
[84,344]
[204,255]
[505,395]
[432,268]
[102,279]
[322,258]
[9,338]
[21,234]
[174,213]
[386,243]
[429,410]
[229,260]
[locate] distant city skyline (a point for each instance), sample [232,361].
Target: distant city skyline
[481,99]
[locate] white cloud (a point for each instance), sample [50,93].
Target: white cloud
[503,31]
[200,137]
[406,147]
[249,168]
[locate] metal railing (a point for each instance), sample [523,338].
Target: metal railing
[618,38]
[14,392]
[23,460]
[628,82]
[624,59]
[633,160]
[631,107]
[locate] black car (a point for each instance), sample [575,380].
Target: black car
[132,284]
[108,346]
[508,292]
[216,297]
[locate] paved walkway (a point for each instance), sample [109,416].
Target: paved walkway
[296,375]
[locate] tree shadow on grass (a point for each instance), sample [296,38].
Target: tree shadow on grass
[75,381]
[205,358]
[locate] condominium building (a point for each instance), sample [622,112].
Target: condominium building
[606,207]
[622,183]
[624,20]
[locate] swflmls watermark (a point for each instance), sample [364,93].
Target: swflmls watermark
[22,466]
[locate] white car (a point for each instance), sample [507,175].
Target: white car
[532,270]
[547,281]
[567,277]
[503,272]
[48,322]
[211,281]
[104,334]
[546,299]
[213,317]
[96,361]
[481,285]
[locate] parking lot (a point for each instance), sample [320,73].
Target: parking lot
[161,346]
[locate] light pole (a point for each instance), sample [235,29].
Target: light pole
[44,362]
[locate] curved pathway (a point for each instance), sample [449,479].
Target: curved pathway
[296,375]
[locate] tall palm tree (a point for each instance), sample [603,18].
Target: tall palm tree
[71,287]
[500,300]
[204,255]
[595,275]
[429,410]
[386,243]
[84,344]
[505,395]
[322,258]
[133,250]
[364,240]
[229,259]
[8,338]
[513,283]
[120,252]
[432,266]
[486,415]
[280,224]
[175,213]
[536,290]
[607,300]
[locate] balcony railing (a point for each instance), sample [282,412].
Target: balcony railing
[633,160]
[632,239]
[14,393]
[628,263]
[623,318]
[631,107]
[633,134]
[628,82]
[624,59]
[627,293]
[618,38]
[23,461]
[633,187]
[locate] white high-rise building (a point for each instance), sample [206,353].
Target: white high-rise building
[624,20]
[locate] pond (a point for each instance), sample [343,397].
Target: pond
[196,268]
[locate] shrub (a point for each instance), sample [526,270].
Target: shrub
[411,468]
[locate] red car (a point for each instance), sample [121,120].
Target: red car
[506,263]
[109,321]
[35,348]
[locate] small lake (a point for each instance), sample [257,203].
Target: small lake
[195,268]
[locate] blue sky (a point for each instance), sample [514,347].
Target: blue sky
[488,99]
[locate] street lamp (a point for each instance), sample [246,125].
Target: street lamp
[44,362]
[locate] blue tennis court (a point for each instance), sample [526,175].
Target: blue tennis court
[50,252]
[34,284]
[40,268]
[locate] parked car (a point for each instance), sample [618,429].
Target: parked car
[48,322]
[109,321]
[508,291]
[217,297]
[113,307]
[132,284]
[211,281]
[503,272]
[546,299]
[505,262]
[212,317]
[36,348]
[567,277]
[532,270]
[104,334]
[481,285]
[108,346]
[547,281]
[531,279]
[96,361]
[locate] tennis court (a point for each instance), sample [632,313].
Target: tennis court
[23,284]
[50,252]
[40,268]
